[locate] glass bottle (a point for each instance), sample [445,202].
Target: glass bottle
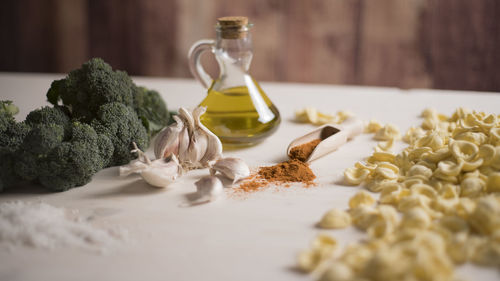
[238,110]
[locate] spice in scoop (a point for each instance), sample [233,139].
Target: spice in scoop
[302,152]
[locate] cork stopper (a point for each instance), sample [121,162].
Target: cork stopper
[233,27]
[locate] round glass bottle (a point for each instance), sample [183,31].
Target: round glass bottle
[238,110]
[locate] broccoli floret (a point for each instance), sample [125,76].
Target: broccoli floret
[84,90]
[152,110]
[34,150]
[12,133]
[121,125]
[8,177]
[50,115]
[74,162]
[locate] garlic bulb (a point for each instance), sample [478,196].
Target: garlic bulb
[232,168]
[159,173]
[189,140]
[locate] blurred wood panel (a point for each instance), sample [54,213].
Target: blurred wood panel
[462,44]
[451,44]
[389,44]
[321,36]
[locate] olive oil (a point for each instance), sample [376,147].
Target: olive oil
[240,116]
[238,110]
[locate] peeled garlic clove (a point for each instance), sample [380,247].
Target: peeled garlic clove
[232,168]
[214,145]
[167,141]
[208,188]
[160,173]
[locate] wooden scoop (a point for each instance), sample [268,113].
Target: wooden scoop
[331,136]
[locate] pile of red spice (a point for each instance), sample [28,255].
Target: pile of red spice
[291,171]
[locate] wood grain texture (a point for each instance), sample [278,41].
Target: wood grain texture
[448,44]
[461,43]
[389,44]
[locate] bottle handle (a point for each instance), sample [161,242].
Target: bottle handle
[195,66]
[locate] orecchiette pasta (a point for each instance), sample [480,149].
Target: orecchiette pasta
[387,132]
[361,198]
[335,218]
[313,116]
[445,184]
[373,126]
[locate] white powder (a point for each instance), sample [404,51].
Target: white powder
[44,226]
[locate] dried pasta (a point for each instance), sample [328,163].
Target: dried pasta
[439,203]
[313,116]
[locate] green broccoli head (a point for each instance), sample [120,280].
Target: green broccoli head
[97,114]
[151,109]
[8,177]
[121,125]
[50,115]
[12,133]
[75,161]
[84,90]
[37,144]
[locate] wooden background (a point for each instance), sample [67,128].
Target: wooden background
[449,44]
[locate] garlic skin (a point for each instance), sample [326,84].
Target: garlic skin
[208,188]
[232,168]
[189,140]
[135,166]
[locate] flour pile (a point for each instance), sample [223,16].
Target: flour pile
[44,226]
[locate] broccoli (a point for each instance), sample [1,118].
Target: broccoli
[8,177]
[84,90]
[12,133]
[36,146]
[152,110]
[50,115]
[11,136]
[75,161]
[96,115]
[122,126]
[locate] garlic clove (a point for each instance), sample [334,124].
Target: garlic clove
[184,141]
[197,148]
[232,168]
[208,188]
[214,145]
[160,173]
[188,118]
[167,140]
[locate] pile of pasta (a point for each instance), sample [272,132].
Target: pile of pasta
[438,204]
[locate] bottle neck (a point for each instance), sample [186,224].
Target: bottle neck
[233,54]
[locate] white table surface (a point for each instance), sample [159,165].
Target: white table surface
[256,238]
